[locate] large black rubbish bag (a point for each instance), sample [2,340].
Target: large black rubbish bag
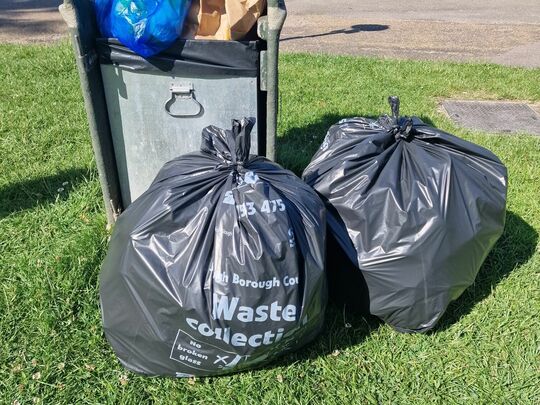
[218,266]
[415,211]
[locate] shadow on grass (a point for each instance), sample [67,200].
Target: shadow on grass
[30,193]
[347,322]
[341,330]
[515,247]
[297,145]
[344,328]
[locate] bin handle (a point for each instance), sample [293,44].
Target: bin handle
[183,91]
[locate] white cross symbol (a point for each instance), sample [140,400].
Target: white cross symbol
[221,358]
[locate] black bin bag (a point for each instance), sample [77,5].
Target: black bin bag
[218,266]
[412,213]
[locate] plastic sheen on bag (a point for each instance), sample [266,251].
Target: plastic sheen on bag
[412,213]
[218,266]
[145,26]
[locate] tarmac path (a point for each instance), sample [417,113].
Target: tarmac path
[500,31]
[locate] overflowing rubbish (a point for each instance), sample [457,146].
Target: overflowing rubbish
[149,27]
[223,19]
[145,26]
[412,213]
[218,266]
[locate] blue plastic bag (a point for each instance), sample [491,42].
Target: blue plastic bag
[145,26]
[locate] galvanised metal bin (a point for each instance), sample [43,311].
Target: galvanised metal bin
[144,112]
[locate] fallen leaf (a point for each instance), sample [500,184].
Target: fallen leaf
[279,378]
[36,376]
[123,379]
[90,367]
[16,368]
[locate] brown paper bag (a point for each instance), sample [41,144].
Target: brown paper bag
[222,19]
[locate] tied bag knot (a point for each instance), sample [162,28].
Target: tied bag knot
[403,130]
[232,146]
[399,127]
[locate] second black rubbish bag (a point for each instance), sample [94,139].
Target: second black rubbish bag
[415,210]
[218,266]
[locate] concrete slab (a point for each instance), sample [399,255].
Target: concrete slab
[494,116]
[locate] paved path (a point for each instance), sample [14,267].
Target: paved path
[500,31]
[23,21]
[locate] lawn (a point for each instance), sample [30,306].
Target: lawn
[53,239]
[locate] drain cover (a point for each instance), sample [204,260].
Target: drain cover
[494,116]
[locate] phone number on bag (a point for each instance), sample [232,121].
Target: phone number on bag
[267,207]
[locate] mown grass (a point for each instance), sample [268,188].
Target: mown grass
[53,239]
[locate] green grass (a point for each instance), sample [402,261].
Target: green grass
[52,242]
